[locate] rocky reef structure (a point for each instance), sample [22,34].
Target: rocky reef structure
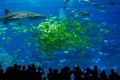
[5,58]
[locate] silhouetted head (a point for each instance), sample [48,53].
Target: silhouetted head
[112,70]
[55,71]
[50,70]
[76,67]
[95,67]
[39,68]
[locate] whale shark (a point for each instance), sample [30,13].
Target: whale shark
[20,17]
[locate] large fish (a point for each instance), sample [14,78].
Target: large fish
[20,17]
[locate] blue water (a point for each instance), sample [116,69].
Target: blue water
[109,18]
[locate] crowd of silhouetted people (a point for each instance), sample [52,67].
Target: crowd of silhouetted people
[18,72]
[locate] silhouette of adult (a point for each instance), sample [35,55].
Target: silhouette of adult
[56,75]
[65,73]
[39,73]
[95,73]
[102,75]
[1,73]
[77,73]
[113,75]
[50,74]
[87,74]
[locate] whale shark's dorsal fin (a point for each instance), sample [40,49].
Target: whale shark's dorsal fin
[7,11]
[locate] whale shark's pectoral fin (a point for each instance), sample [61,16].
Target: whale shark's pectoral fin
[7,11]
[20,23]
[5,22]
[31,18]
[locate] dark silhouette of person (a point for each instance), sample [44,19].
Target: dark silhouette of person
[56,75]
[87,74]
[33,71]
[50,74]
[65,73]
[77,73]
[39,73]
[9,74]
[102,75]
[1,73]
[62,74]
[113,75]
[29,71]
[95,73]
[23,73]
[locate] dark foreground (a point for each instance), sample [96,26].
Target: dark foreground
[18,72]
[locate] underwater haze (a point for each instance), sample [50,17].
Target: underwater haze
[58,33]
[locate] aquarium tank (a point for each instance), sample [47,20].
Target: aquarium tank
[58,33]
